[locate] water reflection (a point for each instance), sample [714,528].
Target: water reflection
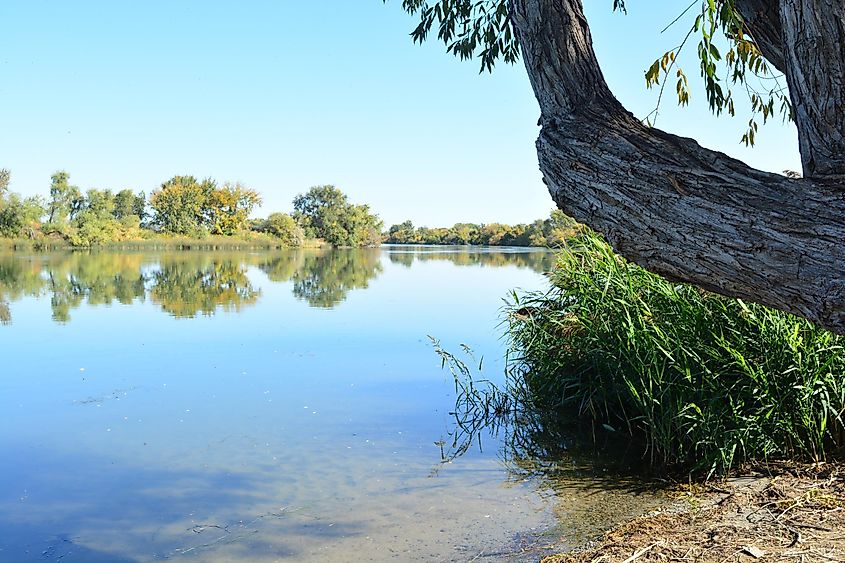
[188,284]
[286,432]
[324,281]
[533,440]
[5,313]
[603,475]
[538,260]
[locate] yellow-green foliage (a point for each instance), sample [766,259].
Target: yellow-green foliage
[283,227]
[187,206]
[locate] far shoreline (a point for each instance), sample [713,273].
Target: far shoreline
[217,242]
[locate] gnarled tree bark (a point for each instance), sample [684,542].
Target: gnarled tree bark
[762,18]
[690,213]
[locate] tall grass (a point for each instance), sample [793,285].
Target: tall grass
[705,382]
[530,440]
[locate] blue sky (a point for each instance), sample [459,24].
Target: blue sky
[282,95]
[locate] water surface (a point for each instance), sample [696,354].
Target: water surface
[263,406]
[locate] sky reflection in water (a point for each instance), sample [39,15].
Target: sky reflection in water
[222,406]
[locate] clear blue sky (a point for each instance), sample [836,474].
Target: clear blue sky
[282,95]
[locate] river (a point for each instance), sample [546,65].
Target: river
[264,406]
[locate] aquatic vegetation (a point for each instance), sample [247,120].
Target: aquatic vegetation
[704,381]
[531,440]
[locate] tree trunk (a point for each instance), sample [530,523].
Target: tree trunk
[814,47]
[686,212]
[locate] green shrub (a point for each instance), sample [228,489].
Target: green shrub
[705,381]
[283,227]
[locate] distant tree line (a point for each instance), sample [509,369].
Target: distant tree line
[551,232]
[183,206]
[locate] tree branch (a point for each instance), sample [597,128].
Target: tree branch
[668,204]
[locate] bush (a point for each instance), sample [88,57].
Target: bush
[283,227]
[706,381]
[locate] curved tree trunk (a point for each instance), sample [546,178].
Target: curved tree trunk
[690,213]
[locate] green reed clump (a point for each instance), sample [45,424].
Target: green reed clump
[705,381]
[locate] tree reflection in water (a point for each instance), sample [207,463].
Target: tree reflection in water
[539,260]
[186,284]
[324,277]
[5,313]
[324,281]
[189,284]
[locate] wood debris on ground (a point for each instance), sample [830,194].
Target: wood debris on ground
[785,513]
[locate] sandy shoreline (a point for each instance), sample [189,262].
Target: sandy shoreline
[781,513]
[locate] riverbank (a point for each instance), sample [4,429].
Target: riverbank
[252,241]
[780,513]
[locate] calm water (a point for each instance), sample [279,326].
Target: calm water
[262,406]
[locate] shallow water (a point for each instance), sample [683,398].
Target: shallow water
[264,406]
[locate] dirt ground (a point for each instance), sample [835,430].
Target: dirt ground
[780,513]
